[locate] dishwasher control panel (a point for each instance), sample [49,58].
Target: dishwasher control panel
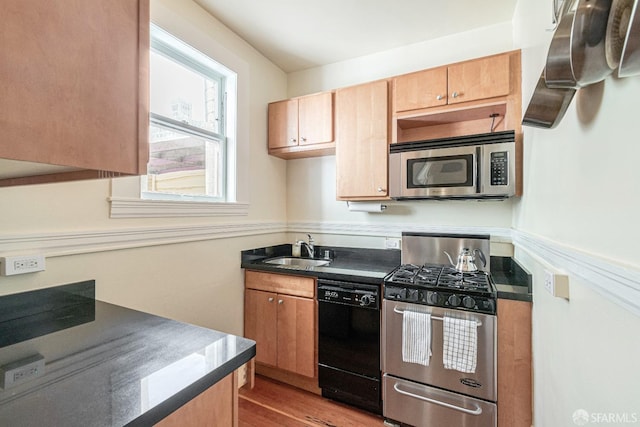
[357,294]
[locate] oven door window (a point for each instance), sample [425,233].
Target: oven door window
[448,171]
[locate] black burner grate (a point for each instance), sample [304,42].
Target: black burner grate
[440,277]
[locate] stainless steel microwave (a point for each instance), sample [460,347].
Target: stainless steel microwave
[468,167]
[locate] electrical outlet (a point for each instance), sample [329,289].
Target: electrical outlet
[556,284]
[392,243]
[12,265]
[22,370]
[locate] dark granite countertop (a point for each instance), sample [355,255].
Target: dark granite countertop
[511,279]
[372,265]
[349,264]
[104,365]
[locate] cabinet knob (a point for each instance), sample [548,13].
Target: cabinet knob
[280,301]
[439,97]
[382,190]
[303,139]
[293,140]
[270,299]
[455,94]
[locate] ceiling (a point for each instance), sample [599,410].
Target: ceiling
[301,34]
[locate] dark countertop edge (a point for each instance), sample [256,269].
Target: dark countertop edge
[313,273]
[509,294]
[347,263]
[175,402]
[513,282]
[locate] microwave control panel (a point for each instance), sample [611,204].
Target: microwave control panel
[499,168]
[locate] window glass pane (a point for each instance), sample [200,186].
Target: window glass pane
[182,94]
[183,164]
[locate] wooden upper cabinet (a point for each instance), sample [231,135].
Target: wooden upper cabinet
[362,149]
[480,96]
[283,124]
[479,79]
[473,80]
[74,86]
[315,119]
[423,89]
[301,127]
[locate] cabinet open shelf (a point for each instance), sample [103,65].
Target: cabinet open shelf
[446,122]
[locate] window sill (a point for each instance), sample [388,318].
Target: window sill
[126,207]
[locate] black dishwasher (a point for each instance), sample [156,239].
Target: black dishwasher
[349,343]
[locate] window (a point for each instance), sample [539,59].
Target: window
[189,136]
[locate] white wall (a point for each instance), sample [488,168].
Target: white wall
[581,192]
[199,282]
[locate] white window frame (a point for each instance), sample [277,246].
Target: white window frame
[126,200]
[176,50]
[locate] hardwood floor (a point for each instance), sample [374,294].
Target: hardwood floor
[274,404]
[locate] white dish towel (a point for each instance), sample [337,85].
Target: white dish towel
[460,349]
[416,337]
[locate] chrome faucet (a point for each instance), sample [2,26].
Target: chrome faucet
[308,245]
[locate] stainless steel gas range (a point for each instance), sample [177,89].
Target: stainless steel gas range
[439,335]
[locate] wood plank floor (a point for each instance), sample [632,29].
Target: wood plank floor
[274,404]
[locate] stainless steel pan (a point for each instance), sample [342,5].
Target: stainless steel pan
[547,106]
[630,60]
[576,56]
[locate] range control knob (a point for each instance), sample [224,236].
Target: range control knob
[454,300]
[435,298]
[468,302]
[366,300]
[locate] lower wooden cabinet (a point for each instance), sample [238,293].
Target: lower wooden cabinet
[514,364]
[280,315]
[215,407]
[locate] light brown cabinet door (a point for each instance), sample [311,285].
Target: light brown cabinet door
[74,83]
[514,364]
[260,324]
[315,119]
[296,335]
[423,89]
[479,79]
[362,141]
[215,407]
[283,124]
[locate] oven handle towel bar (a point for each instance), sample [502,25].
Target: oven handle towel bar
[476,411]
[395,310]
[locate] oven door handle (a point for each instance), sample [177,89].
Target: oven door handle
[476,411]
[395,310]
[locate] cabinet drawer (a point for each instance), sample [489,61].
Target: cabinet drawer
[281,283]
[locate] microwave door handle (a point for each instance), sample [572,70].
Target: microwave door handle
[476,411]
[477,172]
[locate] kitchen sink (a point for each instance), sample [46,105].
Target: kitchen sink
[294,262]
